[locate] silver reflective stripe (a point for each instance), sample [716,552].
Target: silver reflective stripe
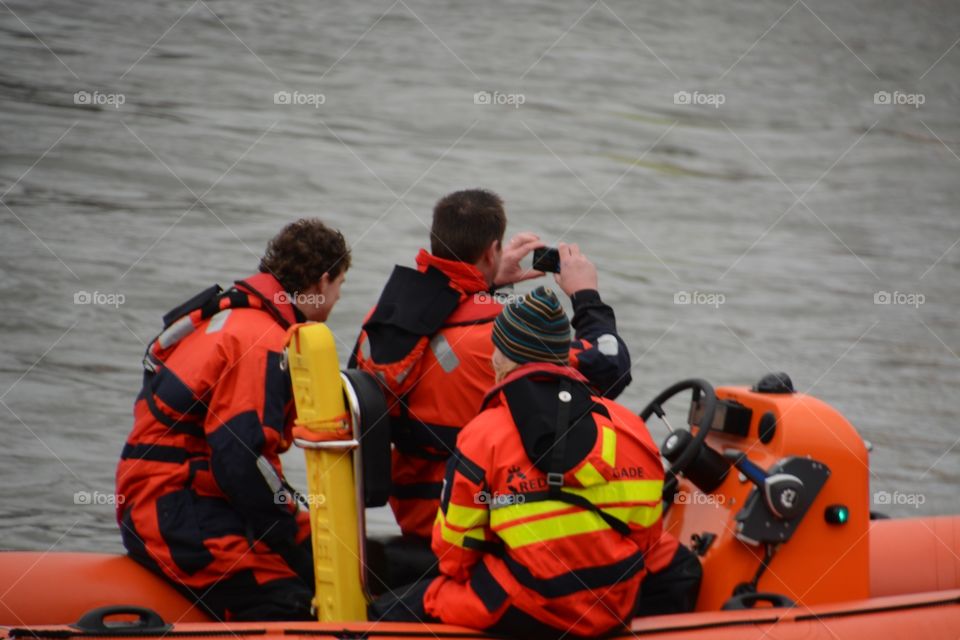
[175,332]
[269,474]
[150,363]
[607,345]
[281,495]
[444,353]
[216,322]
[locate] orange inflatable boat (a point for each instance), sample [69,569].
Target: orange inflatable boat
[768,486]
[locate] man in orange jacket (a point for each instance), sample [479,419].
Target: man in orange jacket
[202,496]
[550,516]
[428,340]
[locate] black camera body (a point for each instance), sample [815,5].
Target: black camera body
[546,259]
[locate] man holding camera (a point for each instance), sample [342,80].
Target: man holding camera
[428,340]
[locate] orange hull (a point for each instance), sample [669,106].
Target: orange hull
[913,555]
[914,581]
[935,615]
[58,588]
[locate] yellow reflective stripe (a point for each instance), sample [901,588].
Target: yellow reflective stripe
[456,537]
[646,516]
[589,476]
[507,515]
[466,517]
[649,491]
[571,524]
[609,451]
[622,491]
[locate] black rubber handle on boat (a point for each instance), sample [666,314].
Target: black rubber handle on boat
[95,621]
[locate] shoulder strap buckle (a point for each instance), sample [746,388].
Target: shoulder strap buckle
[555,479]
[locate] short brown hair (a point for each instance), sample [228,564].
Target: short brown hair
[303,251]
[465,223]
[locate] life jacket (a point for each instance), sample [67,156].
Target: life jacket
[428,342]
[560,536]
[181,321]
[200,474]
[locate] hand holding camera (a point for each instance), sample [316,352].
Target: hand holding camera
[516,250]
[576,273]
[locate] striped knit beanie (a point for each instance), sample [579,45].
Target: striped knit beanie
[534,329]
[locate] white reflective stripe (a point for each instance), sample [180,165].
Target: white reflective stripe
[176,332]
[269,474]
[216,322]
[444,353]
[607,345]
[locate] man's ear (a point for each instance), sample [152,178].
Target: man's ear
[490,254]
[324,281]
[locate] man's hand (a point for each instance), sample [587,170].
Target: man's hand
[516,250]
[576,271]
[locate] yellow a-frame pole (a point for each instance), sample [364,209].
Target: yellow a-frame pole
[324,431]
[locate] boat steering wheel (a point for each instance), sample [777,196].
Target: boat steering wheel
[681,448]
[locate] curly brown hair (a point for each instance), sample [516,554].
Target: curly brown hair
[303,251]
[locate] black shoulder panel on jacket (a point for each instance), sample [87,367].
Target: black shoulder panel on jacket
[533,405]
[413,304]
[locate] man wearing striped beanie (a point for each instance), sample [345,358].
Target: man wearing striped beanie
[552,484]
[534,329]
[550,515]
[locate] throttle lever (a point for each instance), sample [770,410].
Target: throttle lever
[782,492]
[754,474]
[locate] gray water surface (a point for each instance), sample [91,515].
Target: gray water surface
[798,199]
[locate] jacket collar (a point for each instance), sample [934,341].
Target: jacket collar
[463,276]
[493,397]
[275,299]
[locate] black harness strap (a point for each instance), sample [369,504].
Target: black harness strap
[196,302]
[555,470]
[555,474]
[616,524]
[238,299]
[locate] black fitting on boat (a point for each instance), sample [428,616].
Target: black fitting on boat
[778,382]
[95,621]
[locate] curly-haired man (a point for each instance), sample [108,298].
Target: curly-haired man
[202,496]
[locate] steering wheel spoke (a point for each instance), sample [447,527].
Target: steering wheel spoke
[681,447]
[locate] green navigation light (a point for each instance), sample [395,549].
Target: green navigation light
[837,514]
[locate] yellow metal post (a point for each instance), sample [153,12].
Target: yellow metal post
[323,431]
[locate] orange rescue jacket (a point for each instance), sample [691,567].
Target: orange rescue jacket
[560,536]
[428,341]
[435,385]
[202,492]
